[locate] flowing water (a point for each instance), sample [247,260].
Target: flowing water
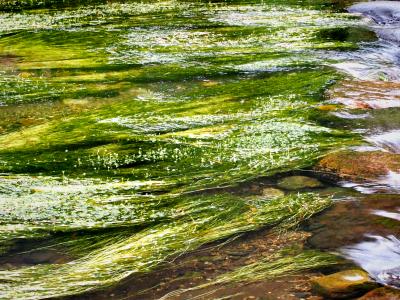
[134,133]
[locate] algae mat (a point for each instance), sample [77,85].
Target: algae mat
[115,117]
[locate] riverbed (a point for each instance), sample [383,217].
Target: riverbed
[196,149]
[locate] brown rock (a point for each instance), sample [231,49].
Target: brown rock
[358,166]
[298,182]
[361,105]
[8,60]
[383,293]
[366,94]
[315,298]
[343,284]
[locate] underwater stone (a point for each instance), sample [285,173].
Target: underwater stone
[362,94]
[358,166]
[349,283]
[298,182]
[272,192]
[383,293]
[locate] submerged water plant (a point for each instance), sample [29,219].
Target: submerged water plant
[115,118]
[146,249]
[279,265]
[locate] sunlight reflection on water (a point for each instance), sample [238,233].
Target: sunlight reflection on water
[379,256]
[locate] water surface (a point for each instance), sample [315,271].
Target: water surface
[131,132]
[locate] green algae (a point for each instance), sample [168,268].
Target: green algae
[144,250]
[113,114]
[236,128]
[281,265]
[62,49]
[18,5]
[284,263]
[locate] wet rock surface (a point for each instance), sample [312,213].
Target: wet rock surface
[343,284]
[364,230]
[358,166]
[272,192]
[298,182]
[366,94]
[205,264]
[353,220]
[382,293]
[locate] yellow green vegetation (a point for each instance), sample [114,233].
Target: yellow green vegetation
[284,263]
[126,112]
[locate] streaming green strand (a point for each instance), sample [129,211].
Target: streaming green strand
[277,265]
[146,249]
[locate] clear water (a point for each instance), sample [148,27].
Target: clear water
[131,131]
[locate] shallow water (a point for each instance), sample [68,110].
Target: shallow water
[132,132]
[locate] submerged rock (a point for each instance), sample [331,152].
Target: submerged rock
[360,94]
[358,166]
[343,284]
[298,182]
[382,293]
[8,60]
[272,192]
[347,226]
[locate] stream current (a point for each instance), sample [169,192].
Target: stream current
[130,130]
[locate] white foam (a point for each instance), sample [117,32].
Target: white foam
[375,256]
[388,141]
[353,278]
[387,183]
[392,179]
[347,115]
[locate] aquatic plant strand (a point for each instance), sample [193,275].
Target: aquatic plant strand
[120,122]
[146,249]
[277,265]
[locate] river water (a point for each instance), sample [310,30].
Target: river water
[135,133]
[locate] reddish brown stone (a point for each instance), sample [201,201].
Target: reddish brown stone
[366,94]
[358,166]
[361,105]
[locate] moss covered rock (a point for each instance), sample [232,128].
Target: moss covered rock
[343,284]
[298,182]
[358,166]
